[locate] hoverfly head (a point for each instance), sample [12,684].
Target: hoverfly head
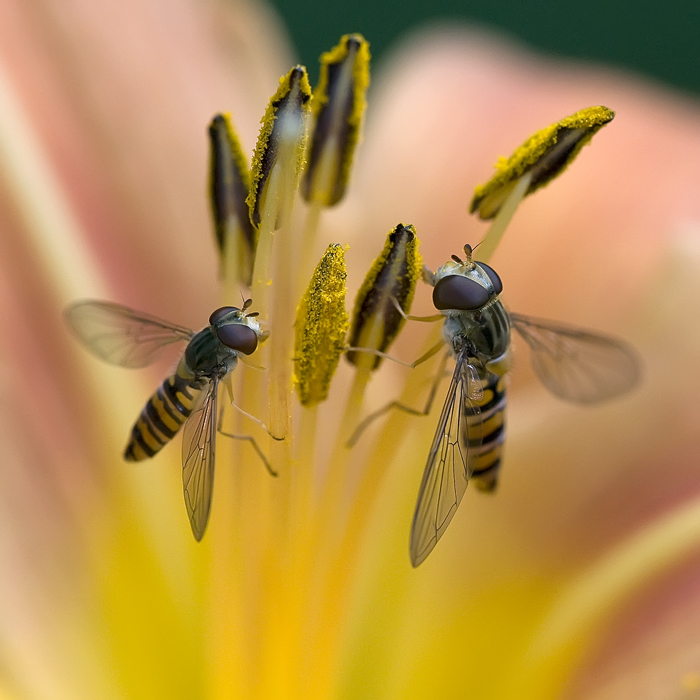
[465,285]
[235,329]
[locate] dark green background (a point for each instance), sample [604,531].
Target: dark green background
[659,39]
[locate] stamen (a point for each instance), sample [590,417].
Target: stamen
[281,142]
[338,105]
[392,278]
[275,171]
[321,325]
[229,183]
[275,176]
[544,155]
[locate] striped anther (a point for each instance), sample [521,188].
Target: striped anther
[391,280]
[281,142]
[338,105]
[544,155]
[229,184]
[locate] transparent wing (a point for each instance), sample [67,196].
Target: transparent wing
[578,365]
[120,335]
[198,443]
[446,471]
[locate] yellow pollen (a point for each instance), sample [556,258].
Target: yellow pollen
[321,326]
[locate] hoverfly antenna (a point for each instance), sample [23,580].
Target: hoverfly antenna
[468,250]
[255,313]
[456,259]
[246,304]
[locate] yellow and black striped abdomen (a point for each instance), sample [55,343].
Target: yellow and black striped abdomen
[161,418]
[487,432]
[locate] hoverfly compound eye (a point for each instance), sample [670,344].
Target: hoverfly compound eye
[239,337]
[220,313]
[495,279]
[459,293]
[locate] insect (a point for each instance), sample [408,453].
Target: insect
[122,336]
[574,364]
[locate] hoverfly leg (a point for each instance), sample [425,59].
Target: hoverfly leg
[408,317]
[379,353]
[364,424]
[248,363]
[256,447]
[229,389]
[411,365]
[433,351]
[428,276]
[248,438]
[258,421]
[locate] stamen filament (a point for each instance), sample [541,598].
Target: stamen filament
[338,469]
[277,204]
[493,236]
[260,290]
[281,341]
[306,257]
[304,477]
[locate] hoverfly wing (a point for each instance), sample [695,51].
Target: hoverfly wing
[578,365]
[120,335]
[198,447]
[447,469]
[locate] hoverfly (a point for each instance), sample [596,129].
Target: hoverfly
[574,364]
[122,336]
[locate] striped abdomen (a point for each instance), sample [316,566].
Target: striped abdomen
[486,432]
[161,417]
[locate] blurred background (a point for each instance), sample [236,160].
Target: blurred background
[659,40]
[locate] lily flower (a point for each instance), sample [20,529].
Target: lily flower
[578,578]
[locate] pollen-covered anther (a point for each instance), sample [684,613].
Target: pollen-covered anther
[279,153]
[320,328]
[544,155]
[229,183]
[338,107]
[391,280]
